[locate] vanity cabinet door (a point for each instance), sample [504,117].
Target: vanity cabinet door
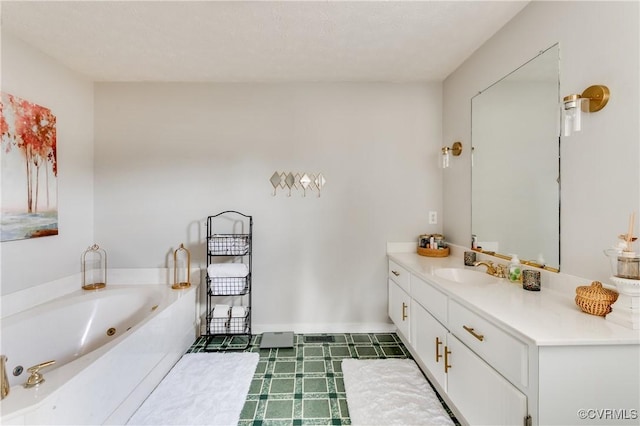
[481,394]
[429,340]
[434,301]
[399,275]
[399,305]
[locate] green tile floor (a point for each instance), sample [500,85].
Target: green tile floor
[303,385]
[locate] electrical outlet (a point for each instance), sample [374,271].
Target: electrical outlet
[433,218]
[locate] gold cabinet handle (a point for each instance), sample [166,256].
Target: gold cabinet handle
[447,352]
[473,333]
[404,311]
[396,273]
[438,355]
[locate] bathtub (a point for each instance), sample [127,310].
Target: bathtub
[111,348]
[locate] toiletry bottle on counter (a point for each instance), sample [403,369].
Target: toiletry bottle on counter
[515,269]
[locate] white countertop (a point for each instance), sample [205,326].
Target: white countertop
[546,318]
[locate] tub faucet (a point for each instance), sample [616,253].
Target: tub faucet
[4,379]
[36,377]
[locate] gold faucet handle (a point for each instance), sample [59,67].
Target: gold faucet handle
[501,271]
[4,379]
[36,377]
[491,270]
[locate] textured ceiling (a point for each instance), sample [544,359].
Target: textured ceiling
[260,41]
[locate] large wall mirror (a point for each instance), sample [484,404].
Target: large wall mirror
[515,129]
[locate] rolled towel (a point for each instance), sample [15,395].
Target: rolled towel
[238,312]
[228,270]
[221,311]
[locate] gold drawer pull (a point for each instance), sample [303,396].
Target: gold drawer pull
[473,333]
[404,311]
[396,273]
[447,352]
[438,343]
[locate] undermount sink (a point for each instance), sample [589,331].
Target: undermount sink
[465,276]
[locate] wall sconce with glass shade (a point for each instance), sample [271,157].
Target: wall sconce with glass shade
[181,268]
[593,99]
[455,150]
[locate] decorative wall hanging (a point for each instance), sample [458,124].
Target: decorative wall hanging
[29,170]
[297,181]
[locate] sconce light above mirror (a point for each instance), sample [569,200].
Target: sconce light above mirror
[593,99]
[455,150]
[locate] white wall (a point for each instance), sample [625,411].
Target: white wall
[599,44]
[168,155]
[29,74]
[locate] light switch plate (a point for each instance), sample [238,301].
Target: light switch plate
[433,218]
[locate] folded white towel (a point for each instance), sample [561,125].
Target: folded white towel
[228,270]
[221,311]
[238,312]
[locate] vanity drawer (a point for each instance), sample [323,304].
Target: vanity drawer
[431,299]
[501,350]
[399,275]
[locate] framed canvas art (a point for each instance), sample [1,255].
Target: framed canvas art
[29,201]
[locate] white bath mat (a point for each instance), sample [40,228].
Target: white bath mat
[201,389]
[390,392]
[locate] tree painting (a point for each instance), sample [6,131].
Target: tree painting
[29,169]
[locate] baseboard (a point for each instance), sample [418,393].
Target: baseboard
[312,328]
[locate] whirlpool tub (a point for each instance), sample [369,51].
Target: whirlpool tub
[111,348]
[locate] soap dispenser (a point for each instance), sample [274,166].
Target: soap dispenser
[515,269]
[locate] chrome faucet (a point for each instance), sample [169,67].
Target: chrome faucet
[498,270]
[4,379]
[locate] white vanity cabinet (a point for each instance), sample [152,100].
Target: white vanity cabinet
[429,343]
[476,390]
[483,361]
[507,354]
[479,392]
[499,355]
[399,300]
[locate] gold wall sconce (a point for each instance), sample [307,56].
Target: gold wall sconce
[94,268]
[181,268]
[455,150]
[593,99]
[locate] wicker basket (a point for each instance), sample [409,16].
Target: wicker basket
[443,252]
[595,299]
